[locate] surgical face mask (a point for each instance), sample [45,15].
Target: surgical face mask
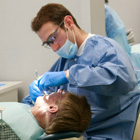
[68,50]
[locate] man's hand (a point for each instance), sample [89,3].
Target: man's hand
[34,91]
[50,79]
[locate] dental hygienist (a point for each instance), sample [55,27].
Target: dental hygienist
[90,65]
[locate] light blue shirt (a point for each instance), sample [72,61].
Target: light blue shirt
[115,28]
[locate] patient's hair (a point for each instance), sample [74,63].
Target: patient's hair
[74,115]
[51,12]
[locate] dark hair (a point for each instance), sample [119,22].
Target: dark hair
[74,115]
[106,1]
[51,12]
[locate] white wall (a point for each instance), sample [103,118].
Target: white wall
[20,48]
[97,17]
[129,12]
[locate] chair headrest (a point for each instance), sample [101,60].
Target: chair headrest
[61,135]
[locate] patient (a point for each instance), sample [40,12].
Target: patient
[57,112]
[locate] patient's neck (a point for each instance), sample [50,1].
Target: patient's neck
[42,118]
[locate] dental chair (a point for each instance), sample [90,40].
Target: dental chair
[70,135]
[136,135]
[137,130]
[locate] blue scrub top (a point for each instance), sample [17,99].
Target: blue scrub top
[105,75]
[115,28]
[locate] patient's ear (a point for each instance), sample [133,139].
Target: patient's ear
[52,108]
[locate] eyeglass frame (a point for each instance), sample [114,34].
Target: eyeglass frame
[47,43]
[61,93]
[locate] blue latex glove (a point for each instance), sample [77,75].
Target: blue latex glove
[34,91]
[50,79]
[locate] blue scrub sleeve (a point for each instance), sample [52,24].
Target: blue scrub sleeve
[111,68]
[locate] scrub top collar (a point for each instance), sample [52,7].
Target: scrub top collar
[81,48]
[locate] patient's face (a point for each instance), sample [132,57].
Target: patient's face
[47,105]
[47,100]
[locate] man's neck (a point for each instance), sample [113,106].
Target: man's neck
[80,36]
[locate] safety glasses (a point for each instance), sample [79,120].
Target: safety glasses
[61,94]
[51,38]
